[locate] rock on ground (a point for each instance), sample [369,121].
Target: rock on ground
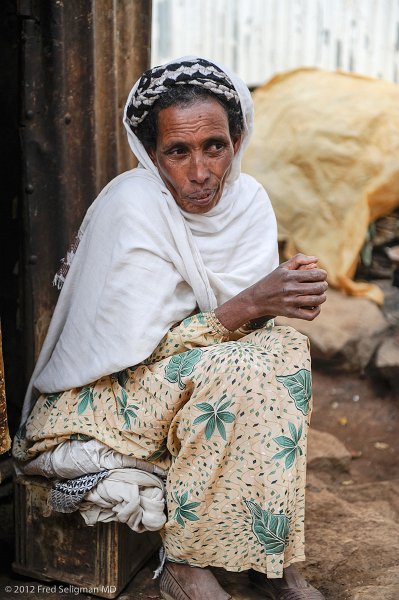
[387,360]
[326,452]
[345,334]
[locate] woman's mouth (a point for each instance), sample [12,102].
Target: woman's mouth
[202,198]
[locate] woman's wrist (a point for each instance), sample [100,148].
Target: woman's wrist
[235,312]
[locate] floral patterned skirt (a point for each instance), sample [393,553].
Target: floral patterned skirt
[227,415]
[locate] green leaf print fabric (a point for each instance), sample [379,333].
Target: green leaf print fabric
[51,399]
[127,411]
[184,510]
[181,366]
[299,386]
[290,445]
[214,416]
[86,399]
[271,530]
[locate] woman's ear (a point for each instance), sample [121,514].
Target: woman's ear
[152,155]
[237,144]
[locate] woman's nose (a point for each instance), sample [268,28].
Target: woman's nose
[199,169]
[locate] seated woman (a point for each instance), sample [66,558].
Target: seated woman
[163,346]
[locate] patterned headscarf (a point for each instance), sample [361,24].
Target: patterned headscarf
[158,80]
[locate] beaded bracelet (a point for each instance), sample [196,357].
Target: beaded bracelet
[215,324]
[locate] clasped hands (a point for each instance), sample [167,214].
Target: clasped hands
[296,289]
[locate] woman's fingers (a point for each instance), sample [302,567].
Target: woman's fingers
[299,261]
[307,267]
[296,288]
[307,275]
[309,301]
[289,292]
[293,304]
[308,314]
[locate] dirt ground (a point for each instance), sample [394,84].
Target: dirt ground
[364,414]
[361,412]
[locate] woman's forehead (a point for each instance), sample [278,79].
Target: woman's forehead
[202,117]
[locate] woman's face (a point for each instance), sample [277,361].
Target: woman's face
[194,153]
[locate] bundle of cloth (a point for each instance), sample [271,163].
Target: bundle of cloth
[102,484]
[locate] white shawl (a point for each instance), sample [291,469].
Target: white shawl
[144,264]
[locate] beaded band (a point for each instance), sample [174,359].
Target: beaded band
[215,324]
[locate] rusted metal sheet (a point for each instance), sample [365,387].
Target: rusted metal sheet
[5,441]
[79,60]
[60,547]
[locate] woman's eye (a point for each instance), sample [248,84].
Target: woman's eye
[177,151]
[216,147]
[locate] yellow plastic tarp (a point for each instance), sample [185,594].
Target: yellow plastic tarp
[326,148]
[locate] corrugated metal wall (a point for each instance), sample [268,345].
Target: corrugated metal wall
[259,38]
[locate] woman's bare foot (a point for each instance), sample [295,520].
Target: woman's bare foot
[292,586]
[182,582]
